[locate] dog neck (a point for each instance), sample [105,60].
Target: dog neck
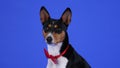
[54,49]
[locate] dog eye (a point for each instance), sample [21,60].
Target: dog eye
[58,30]
[49,25]
[46,29]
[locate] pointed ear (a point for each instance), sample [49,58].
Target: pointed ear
[66,16]
[44,15]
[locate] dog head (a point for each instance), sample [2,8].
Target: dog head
[54,29]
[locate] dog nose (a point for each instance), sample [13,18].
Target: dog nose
[49,39]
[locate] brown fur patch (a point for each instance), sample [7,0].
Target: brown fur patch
[56,26]
[45,34]
[59,37]
[49,25]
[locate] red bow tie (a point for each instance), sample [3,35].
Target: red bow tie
[54,58]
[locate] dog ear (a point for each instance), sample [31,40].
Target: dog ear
[44,15]
[66,16]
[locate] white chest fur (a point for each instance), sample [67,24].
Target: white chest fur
[54,50]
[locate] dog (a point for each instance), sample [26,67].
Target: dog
[60,53]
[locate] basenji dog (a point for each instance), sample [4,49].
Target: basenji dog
[60,53]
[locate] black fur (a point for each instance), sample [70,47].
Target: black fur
[74,59]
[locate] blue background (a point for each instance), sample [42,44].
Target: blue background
[94,31]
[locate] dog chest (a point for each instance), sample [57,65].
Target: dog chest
[62,63]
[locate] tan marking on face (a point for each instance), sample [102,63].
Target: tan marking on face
[45,34]
[58,37]
[49,25]
[56,26]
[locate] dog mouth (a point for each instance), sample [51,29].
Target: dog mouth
[49,42]
[52,43]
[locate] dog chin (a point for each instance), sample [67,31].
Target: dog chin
[52,44]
